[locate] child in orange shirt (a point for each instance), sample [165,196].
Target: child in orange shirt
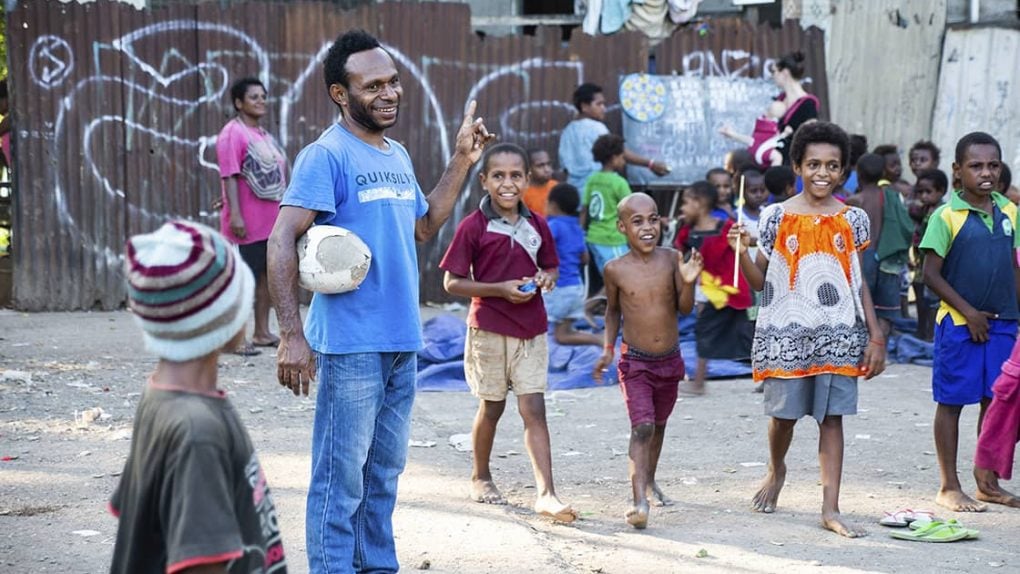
[540,181]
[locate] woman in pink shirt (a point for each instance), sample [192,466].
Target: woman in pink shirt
[253,171]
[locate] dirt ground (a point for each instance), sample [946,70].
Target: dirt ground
[58,471]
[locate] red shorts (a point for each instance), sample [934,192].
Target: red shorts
[649,385]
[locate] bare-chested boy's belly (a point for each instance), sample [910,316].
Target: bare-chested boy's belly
[652,326]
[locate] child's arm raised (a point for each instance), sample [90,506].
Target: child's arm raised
[465,287]
[728,131]
[977,321]
[686,274]
[753,271]
[612,323]
[873,360]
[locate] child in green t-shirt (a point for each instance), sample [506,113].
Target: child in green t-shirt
[602,192]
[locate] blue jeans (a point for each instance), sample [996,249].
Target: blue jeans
[359,447]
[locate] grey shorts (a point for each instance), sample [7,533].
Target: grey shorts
[818,396]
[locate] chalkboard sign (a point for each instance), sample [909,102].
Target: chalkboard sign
[676,119]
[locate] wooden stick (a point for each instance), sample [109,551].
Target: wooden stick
[736,243]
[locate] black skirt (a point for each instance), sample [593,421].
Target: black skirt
[723,333]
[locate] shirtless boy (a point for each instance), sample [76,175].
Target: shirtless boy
[647,287]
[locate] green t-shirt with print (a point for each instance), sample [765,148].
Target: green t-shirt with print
[602,192]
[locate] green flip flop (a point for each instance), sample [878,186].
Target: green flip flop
[971,533]
[936,531]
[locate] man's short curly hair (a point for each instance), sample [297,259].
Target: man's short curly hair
[820,133]
[334,68]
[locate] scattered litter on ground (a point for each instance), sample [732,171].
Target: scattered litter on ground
[860,436]
[751,464]
[702,553]
[774,542]
[21,376]
[86,533]
[422,443]
[122,434]
[461,442]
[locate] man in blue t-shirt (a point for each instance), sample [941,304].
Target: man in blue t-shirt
[365,340]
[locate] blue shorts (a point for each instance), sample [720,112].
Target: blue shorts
[603,254]
[564,303]
[963,371]
[884,287]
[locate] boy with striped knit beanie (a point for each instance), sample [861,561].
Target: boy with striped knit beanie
[192,493]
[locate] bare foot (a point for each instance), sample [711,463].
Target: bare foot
[550,506]
[656,497]
[834,521]
[957,501]
[768,495]
[637,516]
[485,491]
[988,489]
[691,389]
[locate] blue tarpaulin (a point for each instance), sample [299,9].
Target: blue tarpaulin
[441,362]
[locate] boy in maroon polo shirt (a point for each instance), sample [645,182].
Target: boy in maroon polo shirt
[503,256]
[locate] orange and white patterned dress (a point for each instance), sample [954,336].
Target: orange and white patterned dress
[811,320]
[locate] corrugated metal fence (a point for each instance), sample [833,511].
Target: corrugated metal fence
[979,90]
[883,62]
[117,109]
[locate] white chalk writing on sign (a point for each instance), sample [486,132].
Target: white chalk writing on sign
[686,136]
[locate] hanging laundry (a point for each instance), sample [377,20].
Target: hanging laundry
[615,14]
[650,18]
[682,11]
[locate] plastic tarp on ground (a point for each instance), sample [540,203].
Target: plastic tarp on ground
[441,362]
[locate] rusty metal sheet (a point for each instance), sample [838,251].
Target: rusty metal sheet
[979,90]
[883,61]
[117,110]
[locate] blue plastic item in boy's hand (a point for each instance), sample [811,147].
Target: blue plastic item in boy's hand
[527,287]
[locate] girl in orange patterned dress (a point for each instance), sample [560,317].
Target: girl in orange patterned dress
[816,330]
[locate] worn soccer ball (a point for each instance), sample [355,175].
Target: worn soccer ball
[332,259]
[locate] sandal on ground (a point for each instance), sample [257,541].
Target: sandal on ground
[921,523]
[248,350]
[905,517]
[937,531]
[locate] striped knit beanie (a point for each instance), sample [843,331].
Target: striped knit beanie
[188,288]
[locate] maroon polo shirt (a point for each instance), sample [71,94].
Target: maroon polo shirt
[490,249]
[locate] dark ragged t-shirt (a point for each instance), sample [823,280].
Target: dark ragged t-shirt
[193,491]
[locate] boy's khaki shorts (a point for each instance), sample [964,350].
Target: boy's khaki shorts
[494,364]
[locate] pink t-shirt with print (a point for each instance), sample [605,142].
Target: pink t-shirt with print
[259,214]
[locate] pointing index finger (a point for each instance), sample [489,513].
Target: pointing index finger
[469,113]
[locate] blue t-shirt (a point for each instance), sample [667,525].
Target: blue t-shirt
[575,149]
[851,184]
[373,193]
[569,238]
[720,214]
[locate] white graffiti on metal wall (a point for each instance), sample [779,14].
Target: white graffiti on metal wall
[50,61]
[148,83]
